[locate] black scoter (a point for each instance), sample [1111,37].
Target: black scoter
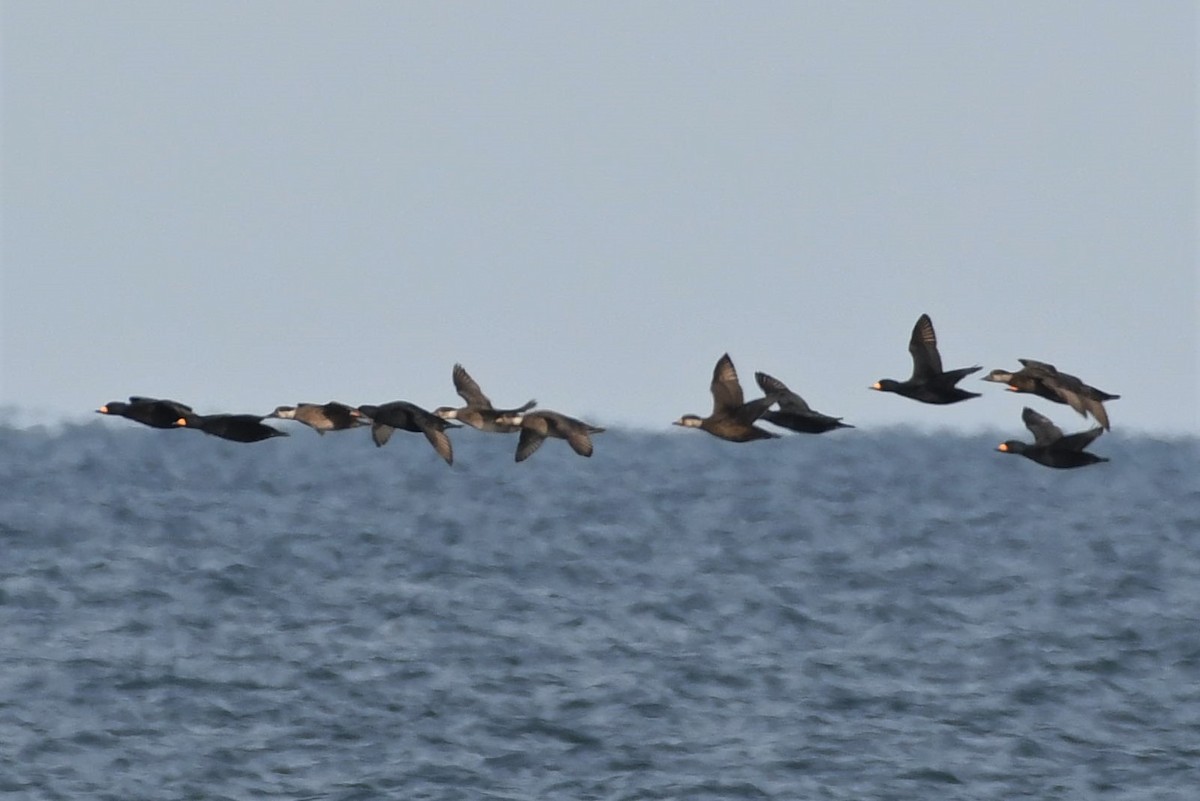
[235,427]
[153,412]
[928,383]
[794,413]
[1050,447]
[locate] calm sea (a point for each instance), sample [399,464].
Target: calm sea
[860,615]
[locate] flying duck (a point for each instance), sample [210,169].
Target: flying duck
[537,426]
[1050,447]
[332,416]
[153,412]
[732,418]
[1045,381]
[929,383]
[478,411]
[794,413]
[409,417]
[235,427]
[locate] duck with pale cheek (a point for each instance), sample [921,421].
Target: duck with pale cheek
[537,426]
[732,418]
[321,417]
[478,411]
[1045,381]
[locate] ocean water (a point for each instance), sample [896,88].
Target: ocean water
[860,615]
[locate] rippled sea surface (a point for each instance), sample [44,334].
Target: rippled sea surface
[860,615]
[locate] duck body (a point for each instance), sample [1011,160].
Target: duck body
[153,412]
[1050,446]
[929,383]
[234,427]
[321,417]
[794,413]
[537,426]
[478,412]
[732,418]
[409,417]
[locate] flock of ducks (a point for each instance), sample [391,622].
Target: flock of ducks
[733,418]
[478,412]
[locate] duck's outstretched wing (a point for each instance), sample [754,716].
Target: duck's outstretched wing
[1043,430]
[927,362]
[468,390]
[726,390]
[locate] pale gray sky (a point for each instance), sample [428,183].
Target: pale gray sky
[240,205]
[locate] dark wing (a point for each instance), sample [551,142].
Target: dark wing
[529,442]
[176,405]
[580,442]
[432,427]
[381,434]
[575,432]
[468,390]
[1075,394]
[788,401]
[726,391]
[1040,367]
[341,415]
[1070,389]
[526,406]
[952,377]
[1044,431]
[440,442]
[1080,440]
[749,412]
[927,362]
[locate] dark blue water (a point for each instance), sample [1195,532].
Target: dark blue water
[862,615]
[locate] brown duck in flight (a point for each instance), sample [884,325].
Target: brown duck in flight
[321,417]
[537,426]
[478,411]
[1045,381]
[732,418]
[409,417]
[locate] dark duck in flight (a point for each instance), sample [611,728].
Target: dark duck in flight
[794,414]
[928,383]
[409,417]
[1050,447]
[234,427]
[153,412]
